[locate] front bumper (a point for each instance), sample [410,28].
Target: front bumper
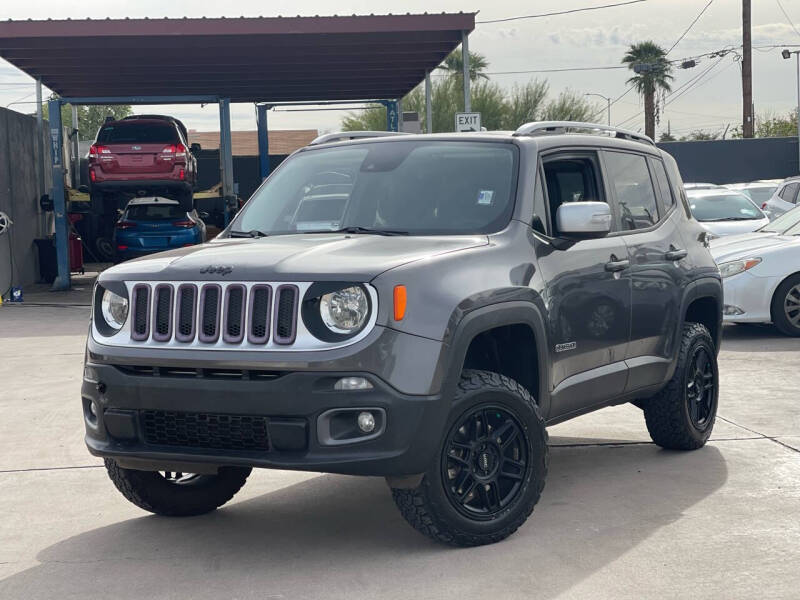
[748,298]
[291,406]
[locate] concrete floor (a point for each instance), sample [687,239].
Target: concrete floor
[619,518]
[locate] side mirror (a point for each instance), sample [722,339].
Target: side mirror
[195,148]
[584,219]
[83,189]
[46,203]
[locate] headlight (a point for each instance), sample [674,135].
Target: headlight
[114,309]
[734,267]
[344,311]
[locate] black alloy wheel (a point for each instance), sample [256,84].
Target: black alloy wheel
[484,462]
[700,388]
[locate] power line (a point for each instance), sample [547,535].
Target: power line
[788,18]
[696,19]
[560,12]
[556,70]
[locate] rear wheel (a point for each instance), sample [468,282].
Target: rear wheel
[682,415]
[490,470]
[786,306]
[177,494]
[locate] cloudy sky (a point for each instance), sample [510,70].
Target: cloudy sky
[588,39]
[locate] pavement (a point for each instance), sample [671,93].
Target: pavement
[619,518]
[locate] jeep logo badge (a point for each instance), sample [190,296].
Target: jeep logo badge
[220,270]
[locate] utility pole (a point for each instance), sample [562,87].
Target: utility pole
[747,72]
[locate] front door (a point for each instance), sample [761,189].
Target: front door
[587,293]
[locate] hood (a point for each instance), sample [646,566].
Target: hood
[299,257]
[723,228]
[744,246]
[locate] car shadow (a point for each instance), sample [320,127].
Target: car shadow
[756,337]
[341,537]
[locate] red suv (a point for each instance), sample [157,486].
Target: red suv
[143,153]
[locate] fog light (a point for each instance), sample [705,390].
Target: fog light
[352,383]
[729,309]
[90,375]
[93,409]
[366,422]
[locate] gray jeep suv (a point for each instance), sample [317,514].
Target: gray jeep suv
[415,307]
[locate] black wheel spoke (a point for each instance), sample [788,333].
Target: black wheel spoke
[482,472]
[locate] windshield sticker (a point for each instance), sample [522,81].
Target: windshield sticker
[485,197]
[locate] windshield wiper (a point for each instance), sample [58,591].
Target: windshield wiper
[253,233]
[358,229]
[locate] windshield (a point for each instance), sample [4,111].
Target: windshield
[724,207]
[414,187]
[788,223]
[759,195]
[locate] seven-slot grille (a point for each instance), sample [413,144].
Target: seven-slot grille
[164,312]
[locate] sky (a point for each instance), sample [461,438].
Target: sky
[587,39]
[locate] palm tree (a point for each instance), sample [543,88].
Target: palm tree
[652,80]
[454,65]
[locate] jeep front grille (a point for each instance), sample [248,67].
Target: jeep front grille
[222,315]
[205,430]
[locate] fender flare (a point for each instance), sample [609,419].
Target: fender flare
[706,287]
[489,317]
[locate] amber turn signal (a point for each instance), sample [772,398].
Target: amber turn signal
[399,302]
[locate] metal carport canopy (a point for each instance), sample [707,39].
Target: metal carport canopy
[274,59]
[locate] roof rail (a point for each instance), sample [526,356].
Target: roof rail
[555,127]
[342,136]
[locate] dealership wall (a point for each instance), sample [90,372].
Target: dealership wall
[735,161]
[19,197]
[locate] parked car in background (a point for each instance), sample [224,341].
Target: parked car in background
[155,224]
[725,212]
[148,153]
[783,199]
[758,191]
[701,186]
[761,274]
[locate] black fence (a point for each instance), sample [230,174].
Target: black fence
[735,161]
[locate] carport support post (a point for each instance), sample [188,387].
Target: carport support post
[263,140]
[40,176]
[392,115]
[76,159]
[465,63]
[61,282]
[226,157]
[428,104]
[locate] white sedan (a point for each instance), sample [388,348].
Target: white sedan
[761,274]
[725,212]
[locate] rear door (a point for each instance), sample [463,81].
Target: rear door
[588,291]
[648,222]
[784,200]
[139,147]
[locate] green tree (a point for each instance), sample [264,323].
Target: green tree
[90,118]
[570,106]
[453,65]
[652,81]
[525,103]
[700,135]
[667,137]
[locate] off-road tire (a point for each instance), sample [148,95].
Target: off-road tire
[667,413]
[779,318]
[150,491]
[427,507]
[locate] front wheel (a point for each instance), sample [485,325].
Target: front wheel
[176,494]
[682,415]
[490,469]
[786,306]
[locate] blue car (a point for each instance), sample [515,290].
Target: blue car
[155,224]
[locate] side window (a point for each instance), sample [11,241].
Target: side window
[571,179]
[667,199]
[630,178]
[539,222]
[789,193]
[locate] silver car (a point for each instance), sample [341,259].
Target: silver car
[725,212]
[758,191]
[783,200]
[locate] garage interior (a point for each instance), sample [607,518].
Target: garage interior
[264,61]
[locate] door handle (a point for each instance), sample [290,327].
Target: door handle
[676,254]
[615,265]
